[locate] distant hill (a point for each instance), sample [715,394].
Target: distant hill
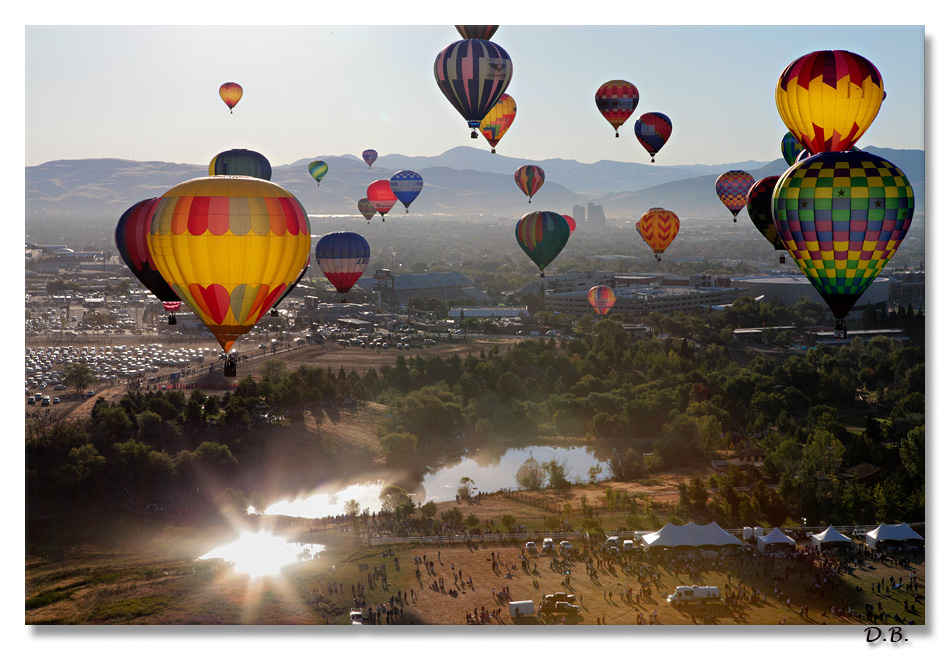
[462,180]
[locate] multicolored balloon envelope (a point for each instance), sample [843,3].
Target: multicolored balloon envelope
[842,215]
[318,169]
[342,256]
[617,100]
[406,185]
[381,197]
[733,189]
[653,130]
[791,147]
[473,74]
[658,228]
[229,246]
[542,236]
[366,208]
[529,178]
[499,118]
[759,207]
[131,241]
[273,310]
[370,156]
[231,94]
[829,98]
[601,298]
[240,162]
[571,223]
[484,32]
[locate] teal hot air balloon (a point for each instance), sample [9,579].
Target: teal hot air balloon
[542,236]
[791,147]
[240,162]
[318,169]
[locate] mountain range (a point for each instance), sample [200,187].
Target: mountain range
[460,181]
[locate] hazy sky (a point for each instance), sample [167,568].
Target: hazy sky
[151,92]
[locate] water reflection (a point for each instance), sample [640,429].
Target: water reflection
[489,470]
[261,553]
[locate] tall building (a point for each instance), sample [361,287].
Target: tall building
[595,216]
[579,214]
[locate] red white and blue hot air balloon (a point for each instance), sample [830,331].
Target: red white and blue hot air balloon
[370,156]
[342,256]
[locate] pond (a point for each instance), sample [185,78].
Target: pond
[489,470]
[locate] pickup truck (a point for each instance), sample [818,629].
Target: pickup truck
[559,608]
[560,597]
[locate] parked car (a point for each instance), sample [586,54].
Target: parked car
[566,547]
[529,547]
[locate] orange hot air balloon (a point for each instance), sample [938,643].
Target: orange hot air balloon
[658,228]
[499,118]
[229,247]
[231,93]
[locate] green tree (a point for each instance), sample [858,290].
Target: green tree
[78,375]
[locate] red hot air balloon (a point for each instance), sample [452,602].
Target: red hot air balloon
[570,222]
[617,100]
[130,240]
[381,197]
[529,178]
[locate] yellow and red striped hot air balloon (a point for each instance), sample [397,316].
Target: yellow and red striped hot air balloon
[229,247]
[601,298]
[231,94]
[829,98]
[658,228]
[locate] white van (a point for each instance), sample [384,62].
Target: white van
[519,608]
[613,542]
[628,546]
[694,594]
[566,547]
[547,545]
[530,547]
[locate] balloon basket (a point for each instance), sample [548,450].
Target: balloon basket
[617,134]
[230,366]
[493,150]
[273,312]
[474,135]
[172,320]
[781,259]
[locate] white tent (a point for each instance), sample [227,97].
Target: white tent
[892,533]
[690,535]
[776,537]
[829,536]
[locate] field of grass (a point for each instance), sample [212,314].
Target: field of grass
[126,570]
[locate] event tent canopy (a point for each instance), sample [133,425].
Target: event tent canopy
[891,533]
[691,535]
[774,537]
[829,536]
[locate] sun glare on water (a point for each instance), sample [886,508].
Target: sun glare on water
[261,554]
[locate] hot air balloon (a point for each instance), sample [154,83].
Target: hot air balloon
[240,162]
[318,169]
[617,100]
[658,228]
[370,156]
[229,246]
[231,93]
[366,208]
[473,74]
[541,236]
[601,298]
[759,207]
[130,240]
[529,178]
[653,130]
[791,147]
[406,185]
[381,197]
[499,118]
[570,222]
[829,98]
[342,256]
[733,188]
[484,32]
[842,215]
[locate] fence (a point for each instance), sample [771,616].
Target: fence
[495,538]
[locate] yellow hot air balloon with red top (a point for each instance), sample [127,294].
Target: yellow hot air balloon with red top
[229,247]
